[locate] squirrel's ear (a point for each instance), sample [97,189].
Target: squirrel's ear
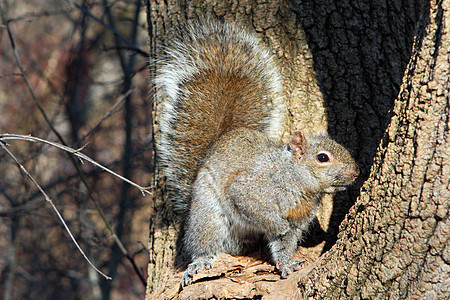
[298,144]
[322,133]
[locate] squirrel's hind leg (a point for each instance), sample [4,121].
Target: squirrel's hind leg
[208,230]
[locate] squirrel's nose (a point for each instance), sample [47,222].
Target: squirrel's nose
[351,172]
[356,173]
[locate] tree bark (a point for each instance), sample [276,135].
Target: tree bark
[342,63]
[394,243]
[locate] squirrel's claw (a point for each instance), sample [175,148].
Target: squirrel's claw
[194,268]
[186,280]
[287,269]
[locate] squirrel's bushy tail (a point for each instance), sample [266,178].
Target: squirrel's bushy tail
[214,77]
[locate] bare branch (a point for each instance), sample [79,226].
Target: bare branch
[108,114]
[72,153]
[10,74]
[6,136]
[25,77]
[11,259]
[113,30]
[20,208]
[22,168]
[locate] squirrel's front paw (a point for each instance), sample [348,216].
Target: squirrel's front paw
[194,268]
[288,268]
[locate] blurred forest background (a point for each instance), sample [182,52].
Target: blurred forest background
[74,73]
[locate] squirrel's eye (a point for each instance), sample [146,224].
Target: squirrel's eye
[323,157]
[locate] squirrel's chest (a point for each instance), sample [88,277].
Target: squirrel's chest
[303,210]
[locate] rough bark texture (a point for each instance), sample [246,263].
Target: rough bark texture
[358,52]
[394,243]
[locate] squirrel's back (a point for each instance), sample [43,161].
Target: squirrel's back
[213,78]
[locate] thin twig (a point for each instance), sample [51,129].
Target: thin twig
[22,168]
[127,67]
[76,152]
[71,154]
[113,30]
[25,78]
[143,190]
[11,259]
[10,75]
[108,114]
[20,208]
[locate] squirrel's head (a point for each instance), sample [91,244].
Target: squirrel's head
[329,162]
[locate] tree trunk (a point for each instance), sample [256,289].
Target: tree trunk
[342,64]
[394,243]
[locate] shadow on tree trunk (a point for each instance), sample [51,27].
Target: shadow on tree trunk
[360,52]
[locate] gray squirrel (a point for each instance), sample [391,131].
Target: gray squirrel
[218,141]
